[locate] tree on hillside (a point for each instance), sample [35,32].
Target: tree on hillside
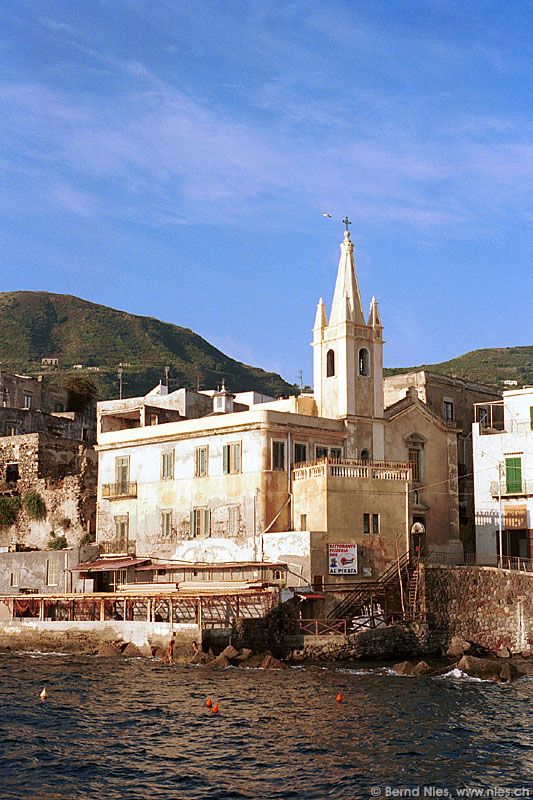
[83,392]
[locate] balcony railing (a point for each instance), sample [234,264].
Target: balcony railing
[477,560]
[353,468]
[114,491]
[510,490]
[117,548]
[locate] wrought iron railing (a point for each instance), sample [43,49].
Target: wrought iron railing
[506,489]
[113,491]
[437,557]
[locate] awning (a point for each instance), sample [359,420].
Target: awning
[223,565]
[109,564]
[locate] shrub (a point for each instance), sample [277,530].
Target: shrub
[9,509]
[57,542]
[34,505]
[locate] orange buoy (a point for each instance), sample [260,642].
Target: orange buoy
[339,698]
[214,708]
[209,702]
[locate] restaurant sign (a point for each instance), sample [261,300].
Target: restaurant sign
[342,559]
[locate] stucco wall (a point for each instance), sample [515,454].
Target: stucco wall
[31,569]
[486,605]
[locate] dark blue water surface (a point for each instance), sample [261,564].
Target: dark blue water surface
[116,729]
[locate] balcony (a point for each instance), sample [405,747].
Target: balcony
[117,548]
[502,489]
[353,468]
[117,491]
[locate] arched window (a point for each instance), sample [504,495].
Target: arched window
[365,455]
[364,361]
[330,363]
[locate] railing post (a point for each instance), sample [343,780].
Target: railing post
[102,610]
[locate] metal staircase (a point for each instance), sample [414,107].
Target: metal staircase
[387,590]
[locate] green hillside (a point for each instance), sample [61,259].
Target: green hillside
[36,325]
[492,366]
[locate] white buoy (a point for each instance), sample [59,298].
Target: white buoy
[44,694]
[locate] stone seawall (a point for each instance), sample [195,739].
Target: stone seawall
[486,605]
[85,638]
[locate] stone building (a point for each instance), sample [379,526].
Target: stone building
[320,482]
[452,401]
[503,476]
[33,405]
[62,474]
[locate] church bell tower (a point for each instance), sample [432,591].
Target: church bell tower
[348,359]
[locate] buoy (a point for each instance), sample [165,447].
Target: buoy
[209,702]
[339,698]
[44,694]
[214,708]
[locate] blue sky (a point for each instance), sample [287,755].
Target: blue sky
[174,159]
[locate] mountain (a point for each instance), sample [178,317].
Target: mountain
[37,325]
[493,366]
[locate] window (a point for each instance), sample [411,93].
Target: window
[154,419]
[201,458]
[414,460]
[12,472]
[233,520]
[15,580]
[166,526]
[300,453]
[27,401]
[364,361]
[330,363]
[365,455]
[52,572]
[167,465]
[122,472]
[375,524]
[513,475]
[448,410]
[303,522]
[200,522]
[231,457]
[366,523]
[321,451]
[278,455]
[122,525]
[483,417]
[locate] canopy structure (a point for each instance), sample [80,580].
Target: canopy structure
[109,564]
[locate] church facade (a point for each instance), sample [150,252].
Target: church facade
[327,484]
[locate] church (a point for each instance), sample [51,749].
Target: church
[319,489]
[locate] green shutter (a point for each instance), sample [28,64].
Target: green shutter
[225,458]
[531,416]
[207,522]
[191,531]
[513,474]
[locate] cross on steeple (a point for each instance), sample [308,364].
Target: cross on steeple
[347,222]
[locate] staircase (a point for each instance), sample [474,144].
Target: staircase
[385,591]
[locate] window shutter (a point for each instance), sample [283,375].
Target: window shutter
[225,458]
[191,529]
[207,522]
[531,416]
[513,474]
[237,458]
[197,462]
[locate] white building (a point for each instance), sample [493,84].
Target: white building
[503,476]
[196,479]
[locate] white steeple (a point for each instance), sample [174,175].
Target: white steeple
[374,320]
[321,321]
[346,305]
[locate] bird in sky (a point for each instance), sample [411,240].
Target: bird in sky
[325,214]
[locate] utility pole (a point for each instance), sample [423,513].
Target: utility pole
[167,370]
[301,377]
[500,532]
[120,373]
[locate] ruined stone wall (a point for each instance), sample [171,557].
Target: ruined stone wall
[486,605]
[63,473]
